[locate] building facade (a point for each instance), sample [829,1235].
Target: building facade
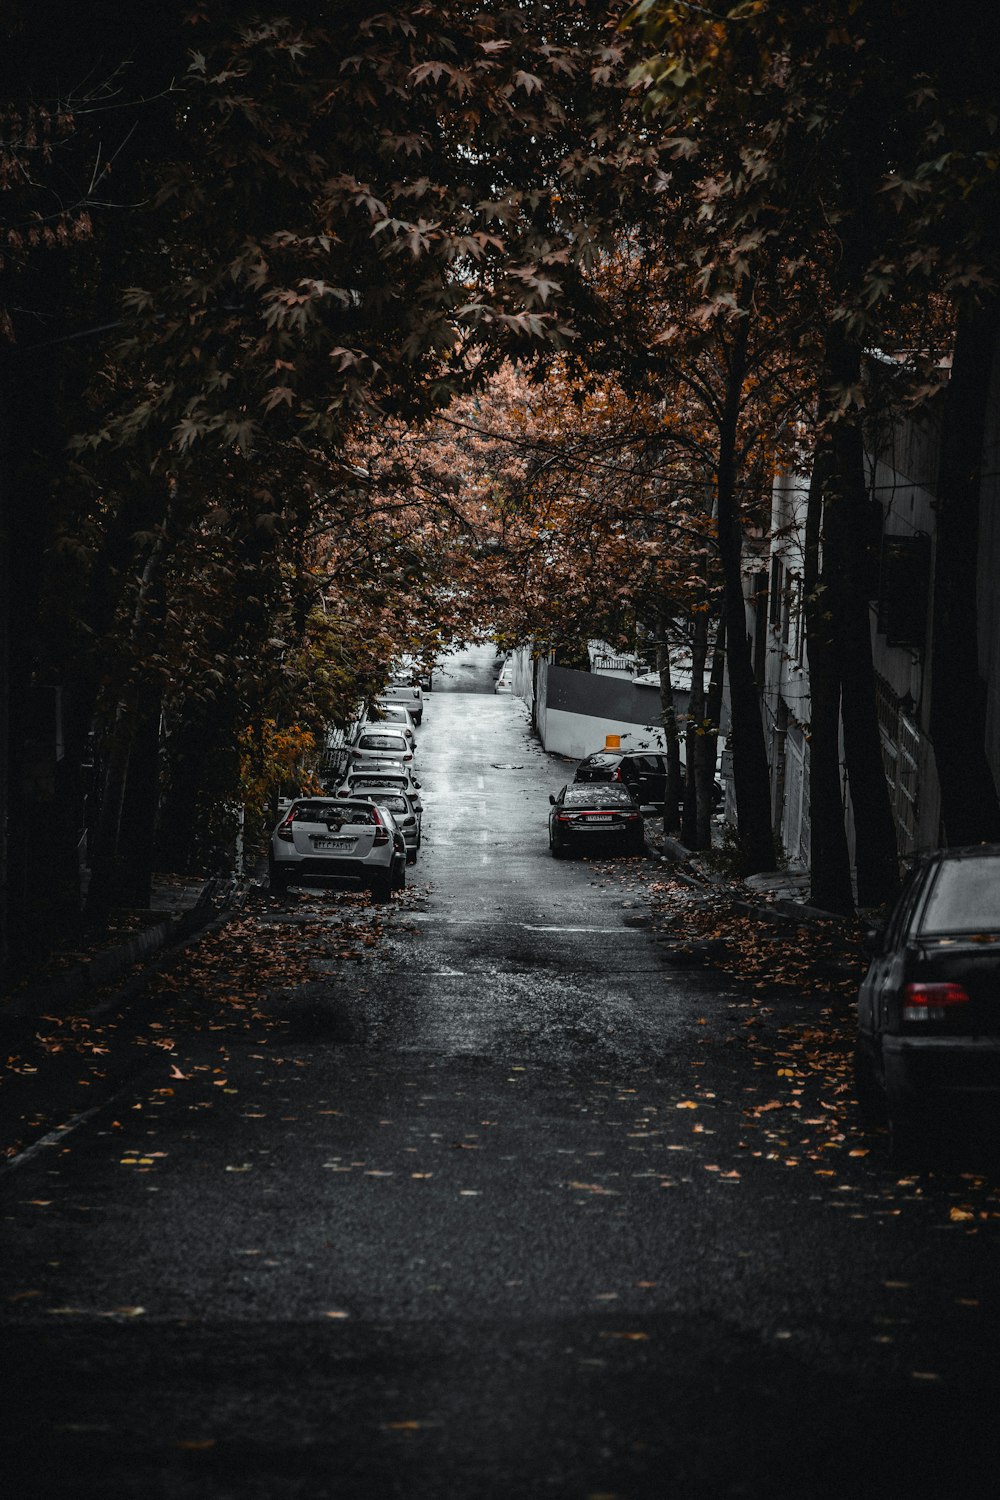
[902,467]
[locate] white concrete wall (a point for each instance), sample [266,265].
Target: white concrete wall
[577,735]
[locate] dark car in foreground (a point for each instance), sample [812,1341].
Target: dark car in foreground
[929,1005]
[591,819]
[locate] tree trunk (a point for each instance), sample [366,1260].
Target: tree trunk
[669,716]
[969,806]
[751,775]
[137,833]
[829,858]
[146,614]
[696,826]
[104,839]
[713,705]
[877,857]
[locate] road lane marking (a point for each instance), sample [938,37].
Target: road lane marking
[55,1137]
[529,928]
[420,916]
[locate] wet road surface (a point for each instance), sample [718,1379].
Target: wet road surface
[486,1220]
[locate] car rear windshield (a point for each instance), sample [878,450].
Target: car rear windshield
[323,812]
[380,741]
[377,783]
[603,758]
[965,897]
[601,794]
[384,799]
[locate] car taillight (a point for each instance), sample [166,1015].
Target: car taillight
[357,755]
[930,1002]
[618,774]
[381,832]
[285,831]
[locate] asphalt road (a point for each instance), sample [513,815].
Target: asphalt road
[496,1212]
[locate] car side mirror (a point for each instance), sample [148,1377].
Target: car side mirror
[552,798]
[418,785]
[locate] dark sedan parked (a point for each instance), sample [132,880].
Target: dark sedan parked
[588,818]
[929,1006]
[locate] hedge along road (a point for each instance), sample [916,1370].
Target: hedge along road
[482,1216]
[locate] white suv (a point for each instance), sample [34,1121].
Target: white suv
[329,838]
[378,742]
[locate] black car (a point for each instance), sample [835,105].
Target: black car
[644,772]
[929,1006]
[588,818]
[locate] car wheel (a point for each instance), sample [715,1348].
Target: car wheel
[556,850]
[411,856]
[278,882]
[381,885]
[637,846]
[869,1092]
[398,877]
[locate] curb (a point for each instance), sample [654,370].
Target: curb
[124,1003]
[784,910]
[95,974]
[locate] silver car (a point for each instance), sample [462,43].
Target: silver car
[377,743]
[392,716]
[409,696]
[333,838]
[389,777]
[406,812]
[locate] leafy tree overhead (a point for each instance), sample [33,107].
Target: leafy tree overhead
[377,323]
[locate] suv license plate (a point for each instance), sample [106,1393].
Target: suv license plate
[334,843]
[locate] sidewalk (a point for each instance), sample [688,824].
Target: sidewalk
[73,978]
[759,928]
[68,1032]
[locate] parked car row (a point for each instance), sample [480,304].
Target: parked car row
[366,827]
